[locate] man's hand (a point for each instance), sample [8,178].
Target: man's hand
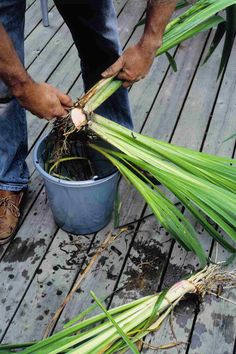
[132,66]
[136,61]
[43,100]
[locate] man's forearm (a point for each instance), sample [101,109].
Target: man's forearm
[12,71]
[158,15]
[41,99]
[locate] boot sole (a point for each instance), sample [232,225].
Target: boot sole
[6,240]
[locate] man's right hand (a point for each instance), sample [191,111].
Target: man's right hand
[42,99]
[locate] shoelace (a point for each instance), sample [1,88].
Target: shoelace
[8,204]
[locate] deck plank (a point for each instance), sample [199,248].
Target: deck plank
[40,37]
[56,49]
[29,3]
[169,103]
[33,16]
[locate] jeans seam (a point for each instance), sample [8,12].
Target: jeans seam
[8,187]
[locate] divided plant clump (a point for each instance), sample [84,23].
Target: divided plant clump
[205,184]
[123,328]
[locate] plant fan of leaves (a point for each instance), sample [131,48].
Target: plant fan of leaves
[200,181]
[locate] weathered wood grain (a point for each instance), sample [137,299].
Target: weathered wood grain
[39,38]
[145,263]
[49,287]
[169,102]
[56,50]
[33,16]
[23,257]
[119,5]
[29,3]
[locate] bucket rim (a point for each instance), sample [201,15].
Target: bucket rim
[61,182]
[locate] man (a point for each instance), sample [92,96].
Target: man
[94,29]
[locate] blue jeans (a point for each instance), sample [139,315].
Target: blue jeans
[93,26]
[14,174]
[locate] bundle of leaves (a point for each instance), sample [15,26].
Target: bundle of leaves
[124,327]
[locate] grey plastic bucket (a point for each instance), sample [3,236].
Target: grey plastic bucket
[81,207]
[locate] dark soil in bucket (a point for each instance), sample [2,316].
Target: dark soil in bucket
[72,159]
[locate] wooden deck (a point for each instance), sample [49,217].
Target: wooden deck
[39,267]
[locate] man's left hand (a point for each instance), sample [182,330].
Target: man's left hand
[132,66]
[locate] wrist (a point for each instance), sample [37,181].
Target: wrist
[20,87]
[150,44]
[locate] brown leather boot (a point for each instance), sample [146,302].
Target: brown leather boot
[9,214]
